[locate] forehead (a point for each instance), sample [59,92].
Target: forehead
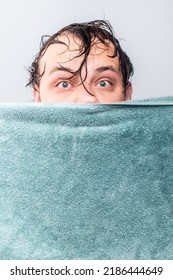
[68,50]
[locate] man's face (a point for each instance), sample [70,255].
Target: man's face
[103,83]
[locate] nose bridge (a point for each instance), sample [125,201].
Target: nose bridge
[84,96]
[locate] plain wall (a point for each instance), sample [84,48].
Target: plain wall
[144,27]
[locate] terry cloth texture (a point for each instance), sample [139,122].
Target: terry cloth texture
[87,181]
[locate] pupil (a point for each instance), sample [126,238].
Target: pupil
[65,84]
[102,84]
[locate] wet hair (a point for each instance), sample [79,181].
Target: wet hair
[89,33]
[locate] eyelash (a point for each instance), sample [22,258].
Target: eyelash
[110,84]
[69,84]
[62,83]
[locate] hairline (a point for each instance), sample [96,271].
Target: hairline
[64,33]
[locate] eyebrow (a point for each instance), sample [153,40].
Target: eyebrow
[69,70]
[106,68]
[61,68]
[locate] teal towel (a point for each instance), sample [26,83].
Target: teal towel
[87,181]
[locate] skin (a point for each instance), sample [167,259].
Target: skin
[104,79]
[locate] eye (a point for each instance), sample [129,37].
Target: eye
[104,83]
[64,84]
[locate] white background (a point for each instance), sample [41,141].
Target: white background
[144,27]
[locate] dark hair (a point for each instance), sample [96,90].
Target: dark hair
[87,32]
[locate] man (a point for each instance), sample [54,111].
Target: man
[82,63]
